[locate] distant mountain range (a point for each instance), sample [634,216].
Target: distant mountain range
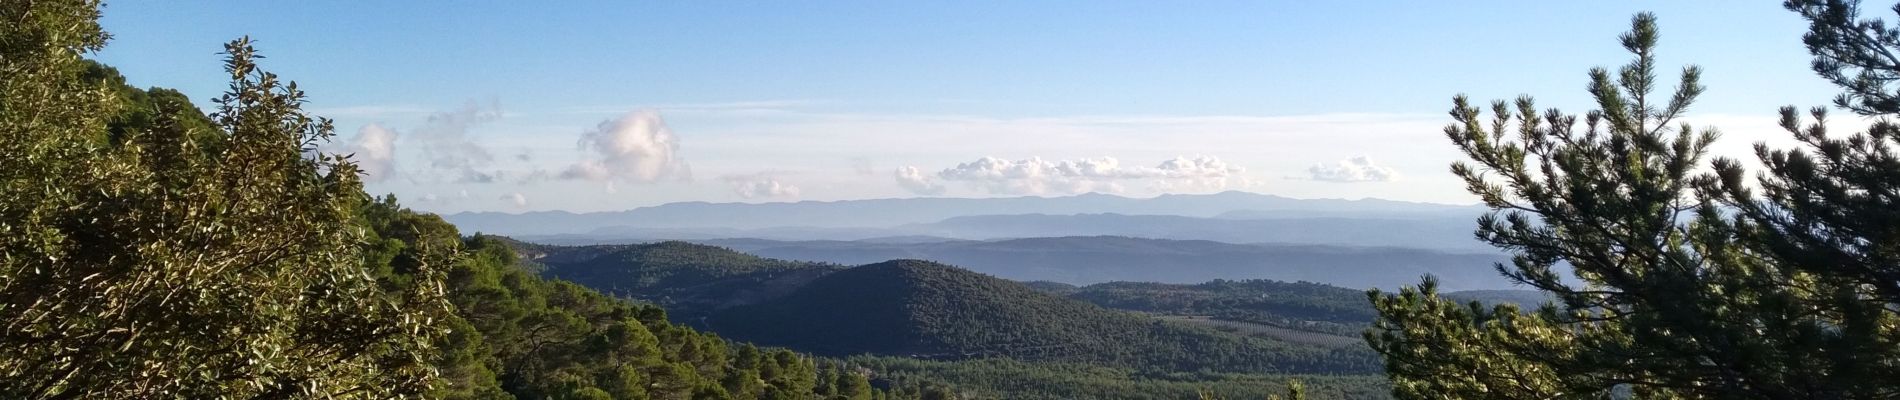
[1096,259]
[841,219]
[1439,233]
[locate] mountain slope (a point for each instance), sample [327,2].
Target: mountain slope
[1256,299]
[930,310]
[1449,232]
[1306,308]
[686,278]
[515,335]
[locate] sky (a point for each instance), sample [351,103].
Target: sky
[591,106]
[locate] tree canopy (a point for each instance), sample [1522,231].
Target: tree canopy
[1686,276]
[150,250]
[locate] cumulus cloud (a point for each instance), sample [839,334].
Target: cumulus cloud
[914,180]
[636,147]
[757,186]
[374,150]
[518,199]
[1356,169]
[1037,176]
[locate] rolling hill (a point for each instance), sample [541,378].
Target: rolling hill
[918,320]
[929,310]
[1292,305]
[687,278]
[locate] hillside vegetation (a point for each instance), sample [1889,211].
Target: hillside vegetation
[1293,305]
[684,277]
[929,310]
[514,334]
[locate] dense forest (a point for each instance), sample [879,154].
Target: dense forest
[1293,305]
[685,278]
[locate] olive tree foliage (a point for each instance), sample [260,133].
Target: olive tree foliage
[1675,275]
[182,264]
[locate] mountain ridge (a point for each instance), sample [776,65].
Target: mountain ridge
[1081,260]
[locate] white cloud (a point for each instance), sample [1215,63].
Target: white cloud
[637,147]
[914,180]
[518,199]
[1036,176]
[374,150]
[761,186]
[1356,169]
[1197,167]
[446,144]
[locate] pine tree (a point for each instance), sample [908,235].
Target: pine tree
[1683,283]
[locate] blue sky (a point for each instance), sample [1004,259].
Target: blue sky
[842,100]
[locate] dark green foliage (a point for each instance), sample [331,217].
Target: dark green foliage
[150,251]
[142,109]
[1854,53]
[1012,379]
[686,278]
[1524,299]
[1688,284]
[1056,288]
[1296,305]
[928,310]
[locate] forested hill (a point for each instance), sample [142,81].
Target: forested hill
[1293,305]
[684,277]
[930,310]
[515,335]
[1300,306]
